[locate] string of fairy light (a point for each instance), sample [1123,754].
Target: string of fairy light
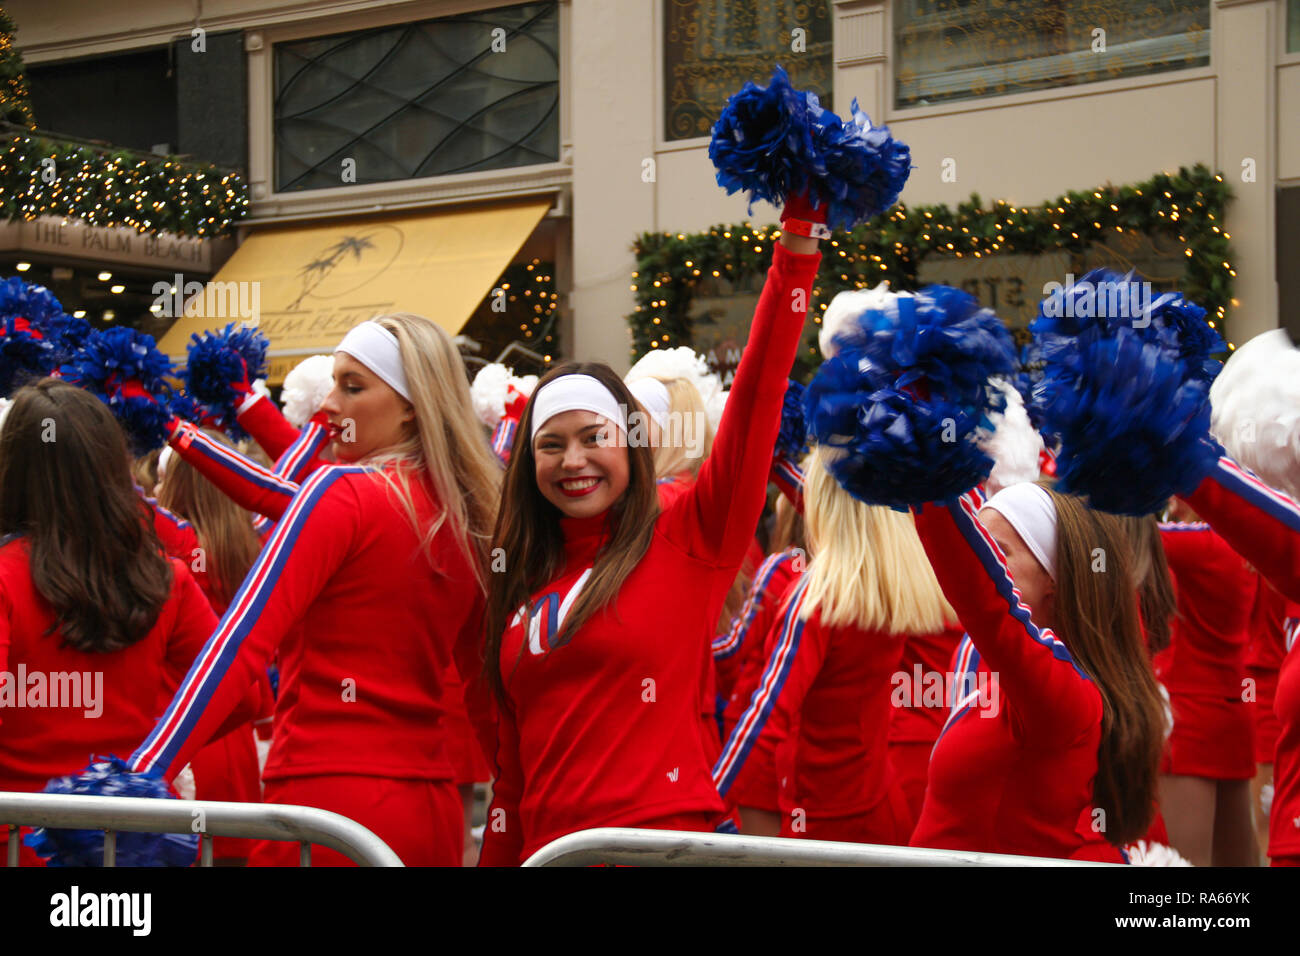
[1188,206]
[147,194]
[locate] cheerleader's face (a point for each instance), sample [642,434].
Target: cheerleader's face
[581,463]
[1037,590]
[365,413]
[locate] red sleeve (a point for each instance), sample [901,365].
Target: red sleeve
[244,481]
[788,478]
[503,834]
[6,610]
[716,519]
[1050,700]
[268,426]
[480,706]
[729,650]
[1260,523]
[194,624]
[306,550]
[304,456]
[795,650]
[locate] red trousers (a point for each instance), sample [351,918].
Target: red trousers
[422,821]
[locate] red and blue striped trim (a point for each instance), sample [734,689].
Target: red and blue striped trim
[158,751]
[303,451]
[727,645]
[1244,483]
[788,478]
[245,468]
[994,563]
[752,722]
[503,438]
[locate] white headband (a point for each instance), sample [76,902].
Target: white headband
[653,395]
[1029,509]
[575,393]
[165,461]
[376,348]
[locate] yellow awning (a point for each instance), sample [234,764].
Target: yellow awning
[304,286]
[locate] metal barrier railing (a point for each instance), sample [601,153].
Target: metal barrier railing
[633,847]
[258,821]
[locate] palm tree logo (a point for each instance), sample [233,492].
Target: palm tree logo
[314,272]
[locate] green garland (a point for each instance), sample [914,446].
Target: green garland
[1189,205]
[108,187]
[15,99]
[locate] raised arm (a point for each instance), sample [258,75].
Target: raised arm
[716,519]
[308,546]
[1260,523]
[243,480]
[1051,699]
[260,418]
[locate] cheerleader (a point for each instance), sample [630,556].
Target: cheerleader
[598,637]
[86,592]
[819,719]
[676,417]
[1204,785]
[370,582]
[1053,746]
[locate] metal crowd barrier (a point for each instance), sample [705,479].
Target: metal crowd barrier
[632,847]
[258,821]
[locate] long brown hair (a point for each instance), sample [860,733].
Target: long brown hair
[532,543]
[1097,617]
[225,530]
[65,484]
[1155,587]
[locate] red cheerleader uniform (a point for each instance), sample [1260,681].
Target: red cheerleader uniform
[1204,667]
[366,629]
[921,705]
[604,730]
[1013,768]
[49,726]
[1263,658]
[815,731]
[1263,525]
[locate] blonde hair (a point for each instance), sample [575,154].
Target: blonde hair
[688,439]
[446,442]
[224,529]
[868,569]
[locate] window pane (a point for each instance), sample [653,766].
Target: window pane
[713,47]
[419,99]
[948,50]
[1293,26]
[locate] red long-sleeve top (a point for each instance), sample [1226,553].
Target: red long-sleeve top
[365,626]
[1263,659]
[1263,526]
[131,686]
[815,732]
[924,676]
[1215,590]
[605,730]
[1012,772]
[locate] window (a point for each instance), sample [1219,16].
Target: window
[713,47]
[946,50]
[454,95]
[1293,26]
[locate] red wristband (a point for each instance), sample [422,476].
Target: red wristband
[802,227]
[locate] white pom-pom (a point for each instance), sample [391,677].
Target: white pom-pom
[683,362]
[1143,853]
[306,387]
[847,306]
[184,783]
[259,387]
[1255,409]
[1014,444]
[5,405]
[715,407]
[488,392]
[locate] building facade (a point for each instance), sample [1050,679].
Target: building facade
[598,110]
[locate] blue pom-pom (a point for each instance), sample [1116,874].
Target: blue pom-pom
[110,777]
[124,369]
[1125,391]
[905,394]
[215,360]
[776,142]
[31,324]
[792,439]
